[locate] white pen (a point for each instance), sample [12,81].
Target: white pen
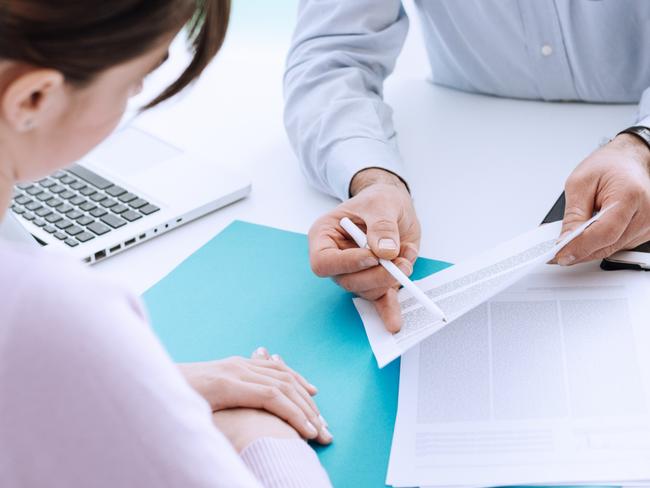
[362,241]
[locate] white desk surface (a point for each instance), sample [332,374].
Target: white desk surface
[481,169]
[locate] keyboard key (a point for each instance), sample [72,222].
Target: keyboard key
[54,202]
[131,215]
[56,189]
[22,199]
[98,212]
[127,197]
[33,206]
[138,202]
[77,185]
[63,224]
[74,214]
[67,194]
[90,177]
[87,191]
[53,217]
[47,182]
[115,191]
[67,179]
[71,242]
[97,197]
[99,228]
[108,203]
[29,216]
[65,208]
[118,209]
[18,210]
[24,186]
[149,209]
[39,223]
[85,236]
[87,206]
[58,174]
[44,196]
[50,229]
[85,220]
[60,236]
[113,221]
[77,200]
[43,212]
[34,190]
[74,230]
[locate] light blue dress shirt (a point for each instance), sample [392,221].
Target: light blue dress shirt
[337,121]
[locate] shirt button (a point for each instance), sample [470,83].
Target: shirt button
[547,50]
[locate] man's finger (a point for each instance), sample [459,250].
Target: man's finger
[598,236]
[332,262]
[629,240]
[376,277]
[389,310]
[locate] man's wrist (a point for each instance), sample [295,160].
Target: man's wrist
[632,142]
[371,176]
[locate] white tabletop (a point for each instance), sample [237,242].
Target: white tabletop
[482,169]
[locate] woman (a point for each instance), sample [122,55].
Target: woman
[88,396]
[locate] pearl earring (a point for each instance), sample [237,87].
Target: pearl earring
[28,124]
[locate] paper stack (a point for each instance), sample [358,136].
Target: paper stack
[545,382]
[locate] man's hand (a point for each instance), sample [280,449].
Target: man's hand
[616,173]
[381,206]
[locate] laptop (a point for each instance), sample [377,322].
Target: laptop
[131,188]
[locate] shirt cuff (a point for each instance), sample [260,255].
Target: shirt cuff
[285,463]
[645,122]
[352,155]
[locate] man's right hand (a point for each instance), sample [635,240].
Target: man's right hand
[380,205]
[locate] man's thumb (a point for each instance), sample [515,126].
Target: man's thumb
[579,206]
[383,237]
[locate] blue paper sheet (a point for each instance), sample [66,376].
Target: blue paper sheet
[252,285]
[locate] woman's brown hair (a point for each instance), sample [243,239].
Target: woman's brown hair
[82,38]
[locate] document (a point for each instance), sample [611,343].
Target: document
[547,382]
[460,288]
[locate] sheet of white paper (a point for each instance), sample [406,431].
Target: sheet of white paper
[460,288]
[548,382]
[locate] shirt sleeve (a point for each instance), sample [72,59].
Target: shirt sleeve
[89,397]
[336,119]
[643,111]
[285,463]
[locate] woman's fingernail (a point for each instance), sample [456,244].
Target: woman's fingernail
[326,434]
[566,260]
[261,351]
[369,262]
[323,421]
[312,387]
[387,244]
[275,357]
[311,429]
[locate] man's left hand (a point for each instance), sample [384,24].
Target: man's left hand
[618,172]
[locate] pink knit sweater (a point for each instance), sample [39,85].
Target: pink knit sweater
[89,397]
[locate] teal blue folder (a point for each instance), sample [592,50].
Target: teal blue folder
[252,285]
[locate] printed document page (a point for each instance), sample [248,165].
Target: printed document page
[460,288]
[547,382]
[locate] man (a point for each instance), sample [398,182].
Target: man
[587,50]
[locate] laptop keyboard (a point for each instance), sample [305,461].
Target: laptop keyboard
[76,205]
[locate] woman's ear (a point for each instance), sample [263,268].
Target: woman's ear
[29,97]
